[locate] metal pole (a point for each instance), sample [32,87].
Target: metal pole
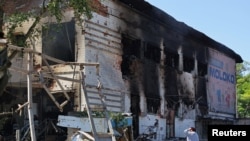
[30,101]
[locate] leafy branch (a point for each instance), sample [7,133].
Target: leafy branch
[53,8]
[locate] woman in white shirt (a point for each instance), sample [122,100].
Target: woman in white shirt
[191,134]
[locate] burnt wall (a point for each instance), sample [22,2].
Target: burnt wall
[140,68]
[151,86]
[159,39]
[177,28]
[201,95]
[171,86]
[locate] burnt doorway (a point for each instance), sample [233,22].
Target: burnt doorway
[135,110]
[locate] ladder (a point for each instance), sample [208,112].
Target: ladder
[42,81]
[89,111]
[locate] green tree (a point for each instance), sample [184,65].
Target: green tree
[53,8]
[243,89]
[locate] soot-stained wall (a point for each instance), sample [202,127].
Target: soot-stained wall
[162,44]
[140,67]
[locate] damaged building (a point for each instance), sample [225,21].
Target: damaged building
[148,64]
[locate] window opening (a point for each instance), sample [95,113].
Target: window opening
[172,60]
[202,69]
[131,52]
[59,41]
[188,64]
[152,52]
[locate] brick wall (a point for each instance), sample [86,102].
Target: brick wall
[12,6]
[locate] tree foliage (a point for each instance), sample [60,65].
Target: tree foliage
[49,8]
[243,89]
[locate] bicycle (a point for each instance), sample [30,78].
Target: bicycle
[149,133]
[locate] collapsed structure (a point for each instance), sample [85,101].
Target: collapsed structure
[148,64]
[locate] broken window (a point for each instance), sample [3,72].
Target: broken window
[188,64]
[19,40]
[151,86]
[152,52]
[58,41]
[202,69]
[153,105]
[131,46]
[131,52]
[172,60]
